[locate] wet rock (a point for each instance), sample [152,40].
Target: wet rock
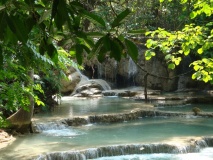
[68,85]
[76,121]
[91,88]
[5,139]
[130,93]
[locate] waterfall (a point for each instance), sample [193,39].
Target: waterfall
[132,69]
[131,149]
[108,70]
[39,127]
[59,129]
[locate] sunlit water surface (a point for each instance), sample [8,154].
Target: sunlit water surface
[71,107]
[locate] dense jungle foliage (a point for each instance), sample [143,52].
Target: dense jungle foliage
[46,37]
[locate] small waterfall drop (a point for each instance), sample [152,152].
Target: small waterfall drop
[49,126]
[118,150]
[59,129]
[132,69]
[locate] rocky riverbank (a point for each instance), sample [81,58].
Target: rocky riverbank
[5,139]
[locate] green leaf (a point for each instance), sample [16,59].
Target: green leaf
[121,17]
[52,52]
[42,48]
[72,52]
[54,9]
[116,49]
[183,1]
[95,34]
[45,15]
[77,5]
[149,54]
[62,15]
[186,51]
[200,50]
[168,56]
[193,15]
[132,49]
[136,32]
[102,54]
[194,76]
[104,46]
[171,66]
[97,47]
[150,43]
[2,23]
[17,26]
[2,7]
[1,58]
[86,49]
[93,18]
[196,67]
[177,61]
[85,39]
[107,43]
[38,55]
[205,60]
[79,53]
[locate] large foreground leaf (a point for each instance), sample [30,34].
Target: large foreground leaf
[93,18]
[120,18]
[131,49]
[17,26]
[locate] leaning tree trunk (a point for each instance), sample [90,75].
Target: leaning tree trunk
[21,120]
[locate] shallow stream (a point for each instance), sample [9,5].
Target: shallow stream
[57,137]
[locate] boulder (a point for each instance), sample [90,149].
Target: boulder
[68,85]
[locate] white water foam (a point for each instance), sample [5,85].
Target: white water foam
[205,154]
[62,133]
[57,129]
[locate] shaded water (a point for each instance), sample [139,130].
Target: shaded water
[57,137]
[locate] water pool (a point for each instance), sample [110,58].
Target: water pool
[145,130]
[81,107]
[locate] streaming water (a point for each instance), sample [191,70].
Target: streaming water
[57,137]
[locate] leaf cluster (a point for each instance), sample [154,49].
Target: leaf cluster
[193,38]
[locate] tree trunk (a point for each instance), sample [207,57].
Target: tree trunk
[145,87]
[21,120]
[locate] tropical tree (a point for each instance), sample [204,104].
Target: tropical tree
[195,39]
[39,34]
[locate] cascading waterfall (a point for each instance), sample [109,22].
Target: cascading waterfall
[132,70]
[115,72]
[108,70]
[118,150]
[58,128]
[39,127]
